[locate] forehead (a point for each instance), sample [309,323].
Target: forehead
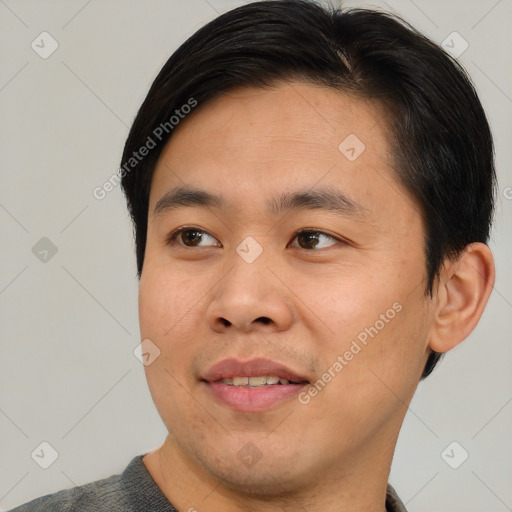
[289,113]
[285,137]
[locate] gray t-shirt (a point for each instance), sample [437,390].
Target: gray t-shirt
[134,490]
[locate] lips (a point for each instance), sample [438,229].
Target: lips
[230,368]
[239,385]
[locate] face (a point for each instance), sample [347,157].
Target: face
[296,256]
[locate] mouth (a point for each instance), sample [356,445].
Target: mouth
[252,386]
[257,382]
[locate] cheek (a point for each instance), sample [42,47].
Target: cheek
[379,370]
[393,355]
[155,304]
[349,300]
[167,309]
[381,325]
[168,303]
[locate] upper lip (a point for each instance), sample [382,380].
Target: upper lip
[229,368]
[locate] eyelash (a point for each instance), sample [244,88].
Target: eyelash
[172,238]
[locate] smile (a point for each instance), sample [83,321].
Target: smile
[252,386]
[255,382]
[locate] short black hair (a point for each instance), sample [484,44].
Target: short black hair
[439,135]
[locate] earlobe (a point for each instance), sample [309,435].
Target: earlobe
[464,289]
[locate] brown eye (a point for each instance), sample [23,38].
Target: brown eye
[191,237]
[314,240]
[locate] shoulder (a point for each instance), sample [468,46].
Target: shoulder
[102,495]
[134,490]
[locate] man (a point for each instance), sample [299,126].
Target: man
[312,194]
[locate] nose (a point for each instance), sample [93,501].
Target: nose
[250,298]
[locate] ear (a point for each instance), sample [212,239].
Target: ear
[463,290]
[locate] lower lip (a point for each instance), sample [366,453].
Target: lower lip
[248,399]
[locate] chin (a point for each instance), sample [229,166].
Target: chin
[271,482]
[271,473]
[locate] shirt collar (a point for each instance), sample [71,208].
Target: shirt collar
[393,502]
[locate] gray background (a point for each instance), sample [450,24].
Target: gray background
[69,323]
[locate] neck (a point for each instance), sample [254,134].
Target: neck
[358,484]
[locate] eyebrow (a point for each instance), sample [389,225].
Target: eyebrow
[324,198]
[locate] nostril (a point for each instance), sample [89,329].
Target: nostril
[263,319]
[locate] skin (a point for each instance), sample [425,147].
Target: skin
[203,303]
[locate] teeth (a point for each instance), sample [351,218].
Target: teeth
[255,382]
